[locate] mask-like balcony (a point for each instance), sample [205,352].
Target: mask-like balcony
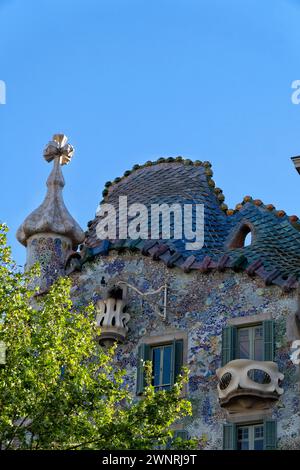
[244,383]
[111,317]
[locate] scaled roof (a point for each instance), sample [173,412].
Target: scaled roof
[274,253]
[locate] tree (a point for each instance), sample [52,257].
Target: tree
[59,388]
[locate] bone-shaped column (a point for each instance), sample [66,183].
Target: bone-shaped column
[112,318]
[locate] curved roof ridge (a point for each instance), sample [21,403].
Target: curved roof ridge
[274,252]
[110,185]
[293,219]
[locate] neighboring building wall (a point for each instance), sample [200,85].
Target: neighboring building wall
[199,305]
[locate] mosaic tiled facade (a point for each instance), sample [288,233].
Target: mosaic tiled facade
[201,305]
[224,286]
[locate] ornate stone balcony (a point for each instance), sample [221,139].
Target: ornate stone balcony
[244,383]
[112,317]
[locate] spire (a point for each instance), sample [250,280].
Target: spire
[52,215]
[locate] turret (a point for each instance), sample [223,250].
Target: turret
[50,233]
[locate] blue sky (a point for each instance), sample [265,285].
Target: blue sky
[133,80]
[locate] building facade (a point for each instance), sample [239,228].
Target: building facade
[228,310]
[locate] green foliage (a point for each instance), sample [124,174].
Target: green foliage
[59,389]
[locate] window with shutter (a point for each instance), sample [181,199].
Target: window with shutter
[167,361]
[258,436]
[251,342]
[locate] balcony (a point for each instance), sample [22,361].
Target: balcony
[244,383]
[112,317]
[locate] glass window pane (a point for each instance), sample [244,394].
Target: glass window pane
[243,438]
[258,332]
[250,343]
[258,431]
[244,344]
[166,376]
[156,366]
[259,444]
[244,333]
[244,445]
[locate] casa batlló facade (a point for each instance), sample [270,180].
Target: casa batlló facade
[228,311]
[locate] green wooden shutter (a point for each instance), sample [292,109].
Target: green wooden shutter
[229,437]
[228,344]
[268,329]
[177,359]
[270,434]
[143,355]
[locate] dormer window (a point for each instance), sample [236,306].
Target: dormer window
[243,236]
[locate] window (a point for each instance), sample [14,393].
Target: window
[167,360]
[243,236]
[161,360]
[250,437]
[254,342]
[254,436]
[250,343]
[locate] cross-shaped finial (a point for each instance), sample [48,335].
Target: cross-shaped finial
[58,147]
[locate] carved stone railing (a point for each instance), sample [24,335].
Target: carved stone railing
[244,379]
[112,318]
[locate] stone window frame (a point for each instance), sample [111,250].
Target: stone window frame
[249,417]
[249,320]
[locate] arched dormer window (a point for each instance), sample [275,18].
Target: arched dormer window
[242,236]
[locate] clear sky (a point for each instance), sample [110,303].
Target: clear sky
[133,80]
